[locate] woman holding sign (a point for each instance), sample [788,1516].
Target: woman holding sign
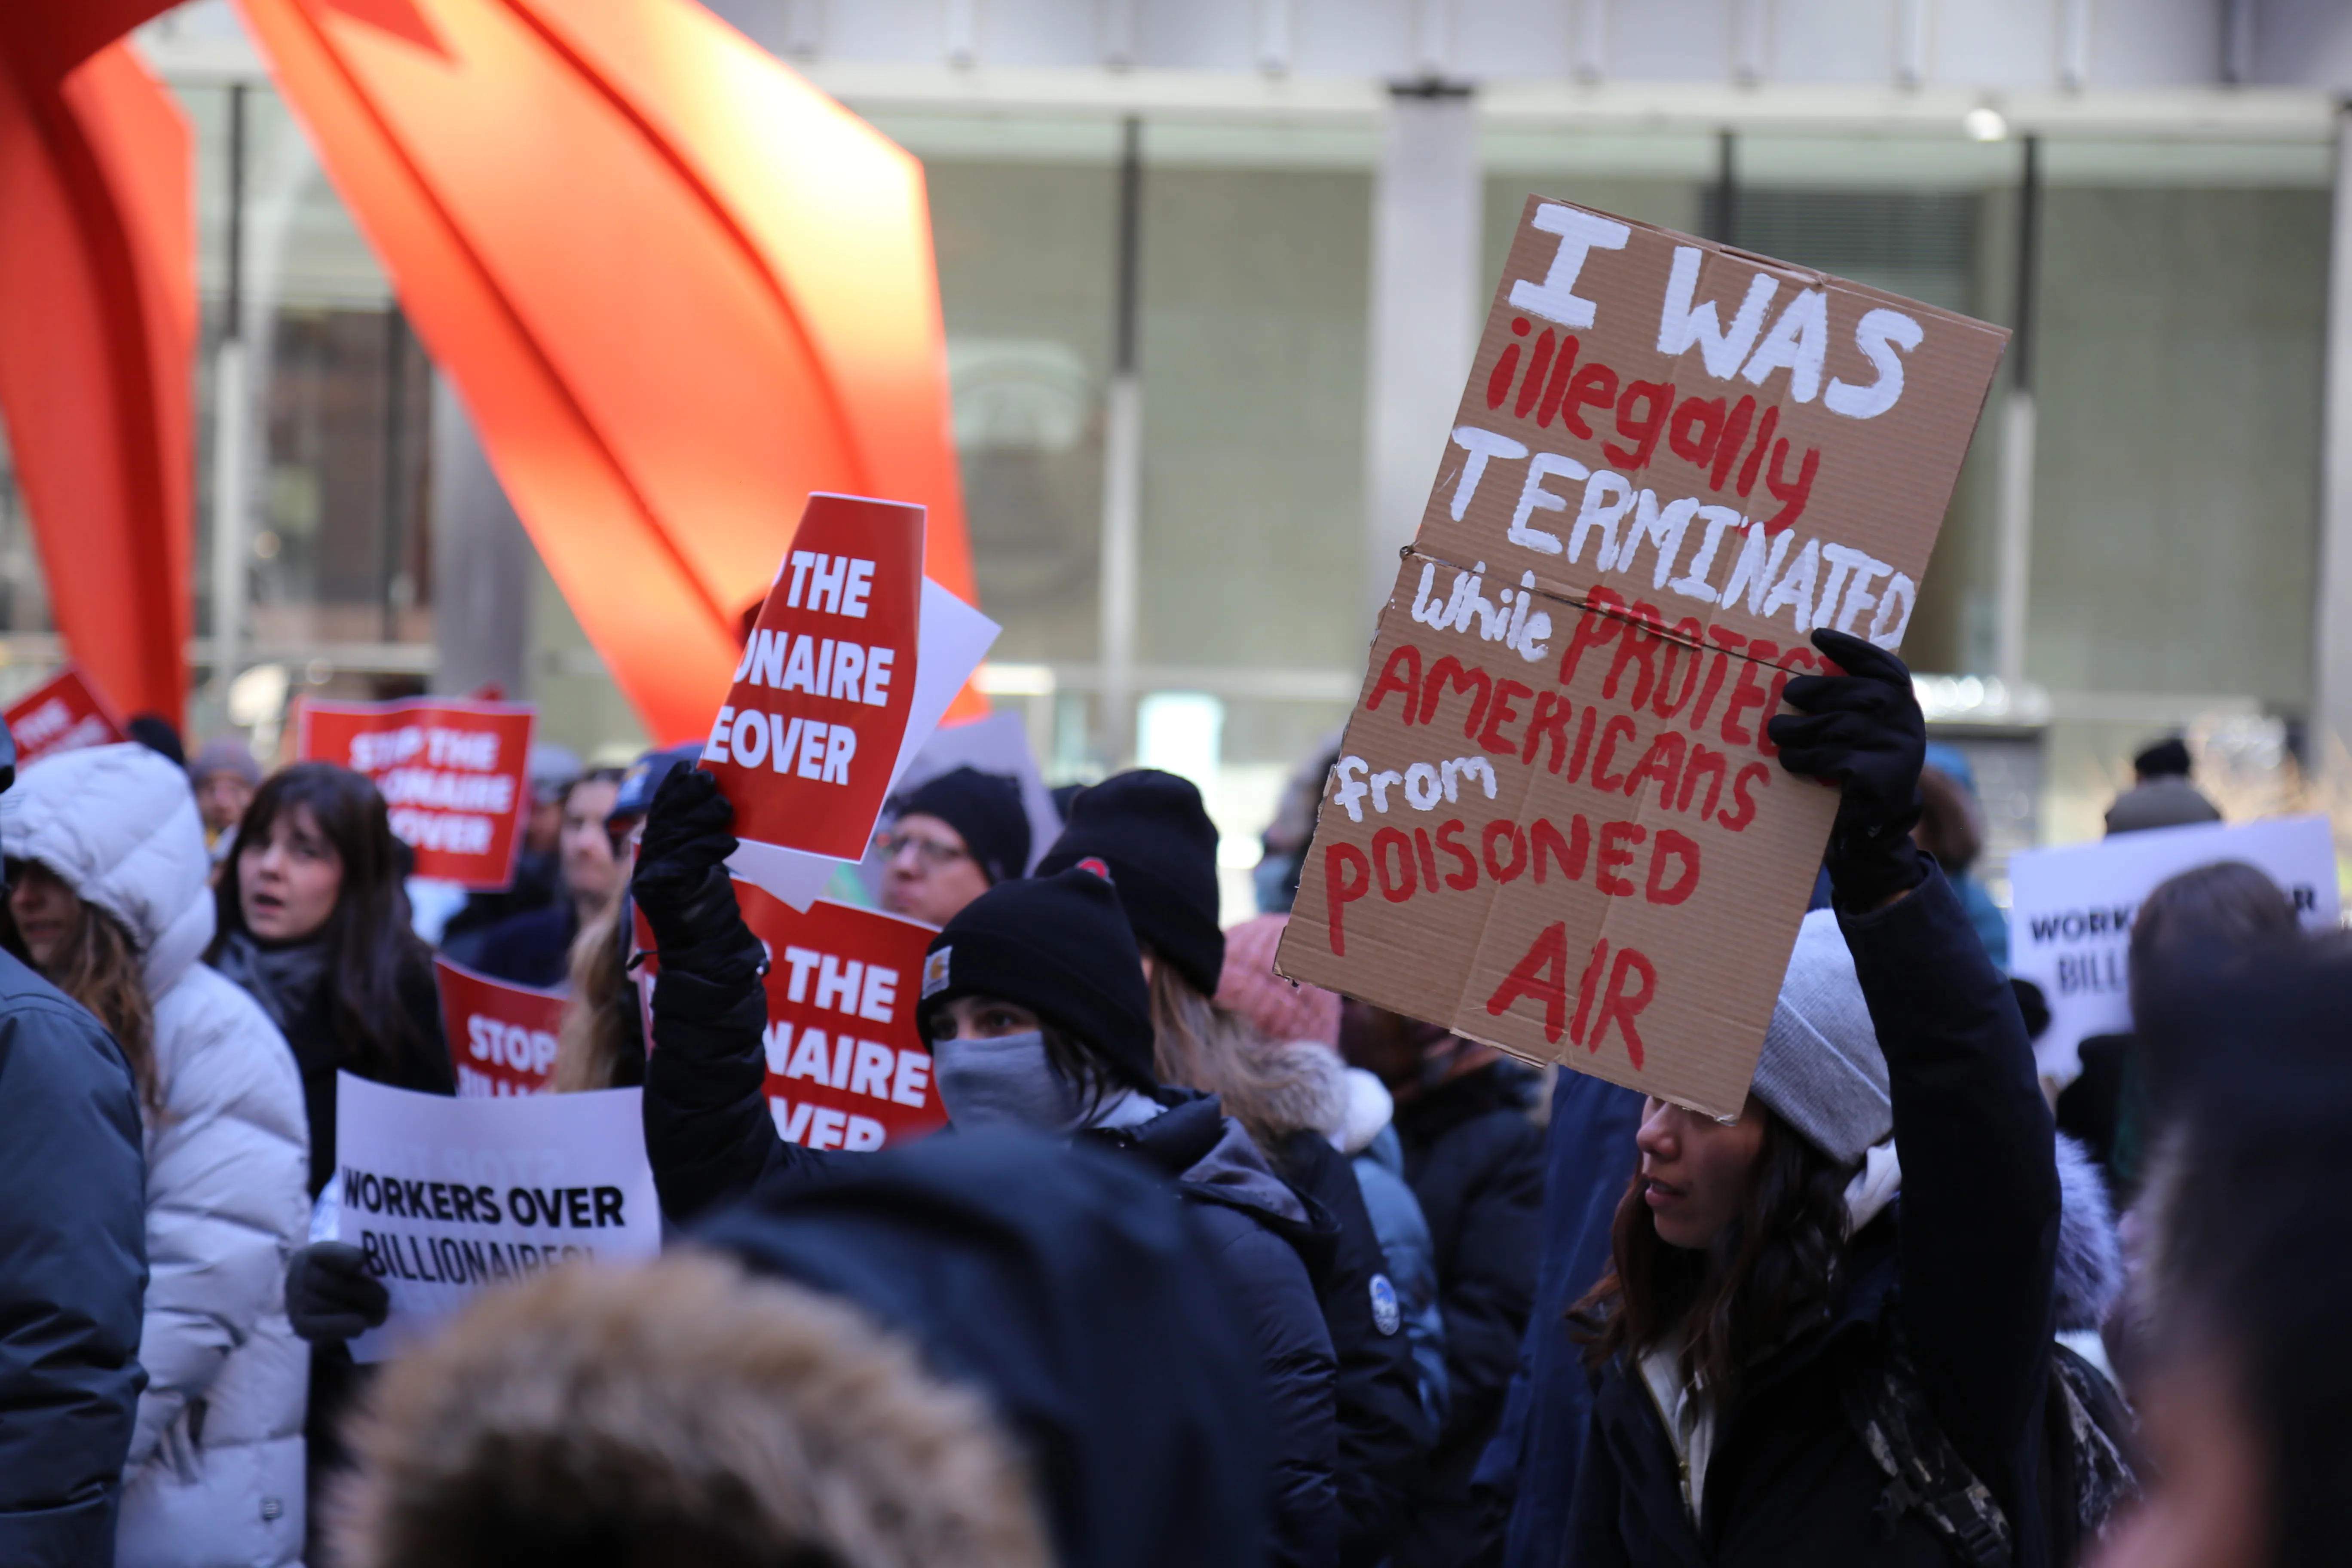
[107,898]
[1033,1000]
[314,922]
[1793,1315]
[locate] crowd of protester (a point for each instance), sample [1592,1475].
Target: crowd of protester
[1211,1267]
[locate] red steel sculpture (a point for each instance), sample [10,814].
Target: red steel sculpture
[98,320]
[677,287]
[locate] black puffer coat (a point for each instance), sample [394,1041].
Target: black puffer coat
[1384,1436]
[73,1271]
[1474,1158]
[711,1140]
[1962,1269]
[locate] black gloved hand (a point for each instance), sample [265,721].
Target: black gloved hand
[1863,730]
[680,879]
[329,1295]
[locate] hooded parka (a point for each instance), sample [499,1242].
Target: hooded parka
[216,1469]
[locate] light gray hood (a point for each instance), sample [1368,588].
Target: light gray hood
[119,826]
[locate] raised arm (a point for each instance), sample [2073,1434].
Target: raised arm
[708,1132]
[1979,1205]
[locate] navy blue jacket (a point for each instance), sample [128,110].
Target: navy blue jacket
[1962,1266]
[73,1274]
[1055,1280]
[1589,1158]
[534,948]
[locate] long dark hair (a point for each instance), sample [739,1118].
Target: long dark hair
[1766,1277]
[370,947]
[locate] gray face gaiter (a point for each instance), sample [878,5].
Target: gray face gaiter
[1003,1082]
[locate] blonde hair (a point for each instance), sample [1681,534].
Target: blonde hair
[1272,1088]
[678,1412]
[594,1035]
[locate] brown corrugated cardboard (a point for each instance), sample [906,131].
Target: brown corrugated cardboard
[1556,825]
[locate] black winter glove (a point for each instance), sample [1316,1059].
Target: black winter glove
[1862,730]
[681,879]
[329,1295]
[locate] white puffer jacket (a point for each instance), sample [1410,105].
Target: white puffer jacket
[215,1469]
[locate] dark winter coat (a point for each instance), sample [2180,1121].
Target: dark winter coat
[712,1140]
[1961,1268]
[73,1270]
[1589,1158]
[1052,1277]
[1474,1159]
[1385,1435]
[538,883]
[534,948]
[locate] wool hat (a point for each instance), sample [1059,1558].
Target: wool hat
[226,754]
[1152,835]
[553,770]
[1059,946]
[1279,1009]
[986,810]
[1820,1070]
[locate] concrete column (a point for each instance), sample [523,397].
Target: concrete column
[481,562]
[2331,714]
[1427,285]
[1122,508]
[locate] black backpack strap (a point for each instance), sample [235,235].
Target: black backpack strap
[1926,1476]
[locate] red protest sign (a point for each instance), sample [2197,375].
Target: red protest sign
[810,736]
[451,770]
[846,1067]
[501,1037]
[64,713]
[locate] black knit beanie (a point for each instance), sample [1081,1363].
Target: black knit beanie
[1058,946]
[984,809]
[1154,835]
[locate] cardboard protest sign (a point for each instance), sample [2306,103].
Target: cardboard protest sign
[1557,824]
[63,713]
[846,1067]
[450,1196]
[502,1035]
[852,662]
[453,772]
[2071,912]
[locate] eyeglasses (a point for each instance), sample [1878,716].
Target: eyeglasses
[931,851]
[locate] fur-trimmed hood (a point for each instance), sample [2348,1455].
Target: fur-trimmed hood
[2089,1273]
[2090,1269]
[687,1408]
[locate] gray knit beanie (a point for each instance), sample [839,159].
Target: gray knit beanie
[1820,1070]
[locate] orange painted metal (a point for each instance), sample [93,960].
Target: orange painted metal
[677,287]
[98,322]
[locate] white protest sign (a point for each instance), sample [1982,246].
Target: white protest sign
[450,1196]
[2070,911]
